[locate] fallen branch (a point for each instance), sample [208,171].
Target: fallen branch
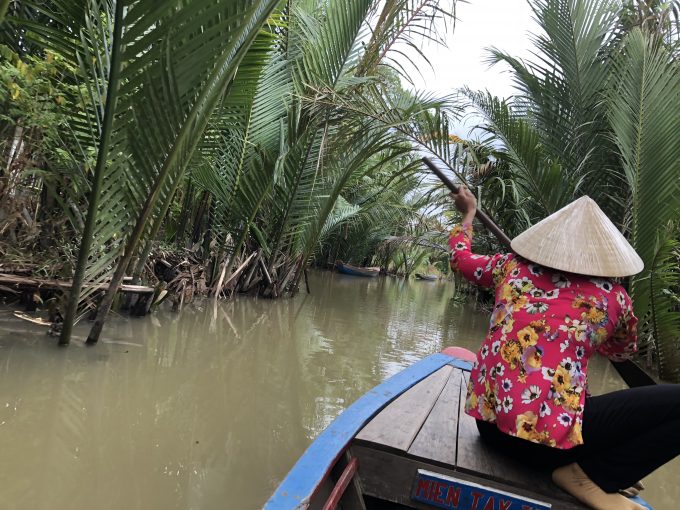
[266,273]
[234,275]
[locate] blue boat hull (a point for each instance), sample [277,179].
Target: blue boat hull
[357,271]
[426,277]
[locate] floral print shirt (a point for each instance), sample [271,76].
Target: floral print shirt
[530,373]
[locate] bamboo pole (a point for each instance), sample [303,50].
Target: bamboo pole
[481,215]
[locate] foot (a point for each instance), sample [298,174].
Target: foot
[573,480]
[633,490]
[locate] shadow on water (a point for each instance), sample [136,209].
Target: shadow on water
[210,408]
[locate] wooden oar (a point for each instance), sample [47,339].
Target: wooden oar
[481,215]
[630,372]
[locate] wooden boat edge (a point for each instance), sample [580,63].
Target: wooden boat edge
[308,473]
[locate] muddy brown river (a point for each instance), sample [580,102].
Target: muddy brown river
[209,408]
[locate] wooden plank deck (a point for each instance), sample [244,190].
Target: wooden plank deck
[427,428]
[398,424]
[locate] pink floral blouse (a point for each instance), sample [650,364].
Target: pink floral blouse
[530,373]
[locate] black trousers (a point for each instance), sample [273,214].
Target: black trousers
[627,434]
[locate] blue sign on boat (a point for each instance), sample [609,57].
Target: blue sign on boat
[446,492]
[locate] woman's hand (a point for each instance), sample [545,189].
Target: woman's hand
[465,202]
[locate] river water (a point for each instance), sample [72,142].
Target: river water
[209,408]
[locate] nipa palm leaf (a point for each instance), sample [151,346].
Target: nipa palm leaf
[643,112]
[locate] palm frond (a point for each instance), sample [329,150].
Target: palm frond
[560,89]
[643,105]
[663,324]
[399,30]
[545,180]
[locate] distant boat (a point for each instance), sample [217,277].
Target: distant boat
[427,277]
[356,271]
[408,444]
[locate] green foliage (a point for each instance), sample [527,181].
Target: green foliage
[37,92]
[153,76]
[300,156]
[643,111]
[33,91]
[662,324]
[259,102]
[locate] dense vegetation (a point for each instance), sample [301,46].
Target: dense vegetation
[243,141]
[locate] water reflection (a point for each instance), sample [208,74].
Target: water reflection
[210,408]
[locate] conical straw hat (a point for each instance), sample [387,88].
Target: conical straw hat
[579,238]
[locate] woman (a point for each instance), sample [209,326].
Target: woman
[528,388]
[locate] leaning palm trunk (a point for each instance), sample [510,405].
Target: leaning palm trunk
[95,193]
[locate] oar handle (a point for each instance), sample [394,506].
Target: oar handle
[481,215]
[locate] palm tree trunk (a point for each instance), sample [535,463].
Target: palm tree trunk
[138,265]
[207,235]
[86,239]
[198,218]
[184,216]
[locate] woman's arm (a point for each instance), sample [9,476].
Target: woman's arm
[623,343]
[479,269]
